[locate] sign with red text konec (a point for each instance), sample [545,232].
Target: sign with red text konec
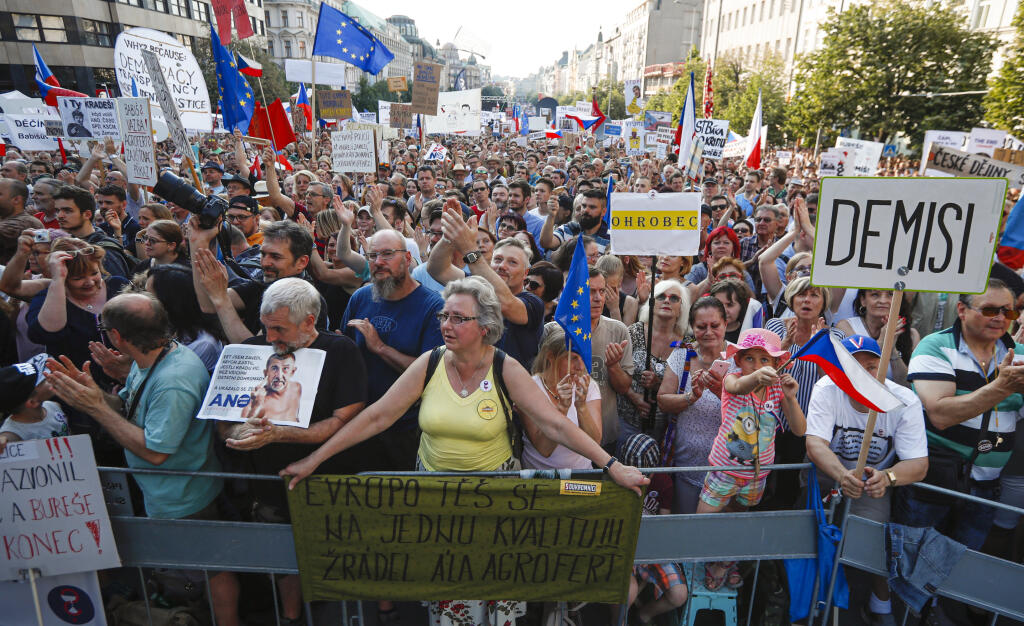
[52,514]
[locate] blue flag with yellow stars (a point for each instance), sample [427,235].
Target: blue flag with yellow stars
[573,312]
[236,99]
[341,37]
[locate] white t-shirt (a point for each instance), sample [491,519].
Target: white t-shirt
[897,435]
[562,457]
[54,424]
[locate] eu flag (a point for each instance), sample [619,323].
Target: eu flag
[341,37]
[236,99]
[573,312]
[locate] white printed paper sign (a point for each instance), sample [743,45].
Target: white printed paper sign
[253,381]
[939,138]
[65,599]
[353,150]
[715,133]
[89,117]
[931,234]
[52,515]
[28,132]
[137,132]
[985,140]
[863,156]
[653,223]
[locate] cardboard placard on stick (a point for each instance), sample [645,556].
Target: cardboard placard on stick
[163,96]
[335,104]
[137,133]
[398,83]
[426,87]
[352,150]
[401,115]
[653,224]
[960,163]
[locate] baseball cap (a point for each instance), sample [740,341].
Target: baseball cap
[862,343]
[248,203]
[362,209]
[213,165]
[19,381]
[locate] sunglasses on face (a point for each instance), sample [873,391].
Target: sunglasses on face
[992,311]
[86,251]
[671,297]
[532,284]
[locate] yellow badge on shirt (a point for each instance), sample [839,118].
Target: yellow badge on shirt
[487,409]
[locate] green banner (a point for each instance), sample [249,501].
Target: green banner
[463,538]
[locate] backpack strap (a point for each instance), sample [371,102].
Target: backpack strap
[514,434]
[432,361]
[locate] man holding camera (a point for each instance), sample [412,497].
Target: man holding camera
[13,217]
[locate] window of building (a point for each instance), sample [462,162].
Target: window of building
[39,27]
[177,7]
[154,5]
[284,18]
[287,49]
[771,9]
[95,33]
[298,19]
[302,49]
[266,17]
[743,22]
[981,15]
[200,11]
[270,48]
[762,10]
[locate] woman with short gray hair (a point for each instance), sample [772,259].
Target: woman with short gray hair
[487,305]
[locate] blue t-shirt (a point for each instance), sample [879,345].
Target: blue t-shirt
[408,325]
[522,341]
[746,205]
[534,224]
[167,414]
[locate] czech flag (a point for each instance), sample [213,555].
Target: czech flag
[1011,244]
[302,103]
[49,88]
[753,155]
[838,364]
[553,133]
[248,66]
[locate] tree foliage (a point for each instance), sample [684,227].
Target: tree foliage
[875,55]
[1004,103]
[615,109]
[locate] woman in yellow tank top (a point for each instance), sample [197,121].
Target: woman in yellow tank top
[461,415]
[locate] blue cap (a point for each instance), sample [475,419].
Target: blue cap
[862,343]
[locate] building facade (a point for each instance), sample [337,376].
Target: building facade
[77,38]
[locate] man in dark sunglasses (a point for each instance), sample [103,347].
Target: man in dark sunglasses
[969,378]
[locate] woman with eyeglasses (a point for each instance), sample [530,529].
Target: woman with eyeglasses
[872,308]
[162,243]
[671,324]
[464,415]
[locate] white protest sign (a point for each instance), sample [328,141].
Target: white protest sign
[784,157]
[251,377]
[735,148]
[830,164]
[458,113]
[537,135]
[352,150]
[437,152]
[653,223]
[65,599]
[944,138]
[662,140]
[183,79]
[715,133]
[958,163]
[932,234]
[28,132]
[384,113]
[985,140]
[52,516]
[537,123]
[137,132]
[327,73]
[89,117]
[634,135]
[163,97]
[864,155]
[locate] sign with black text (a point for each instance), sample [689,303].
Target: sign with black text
[654,224]
[137,131]
[353,150]
[715,133]
[83,118]
[931,234]
[960,163]
[426,86]
[335,104]
[166,102]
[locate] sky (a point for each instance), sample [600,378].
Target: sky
[516,41]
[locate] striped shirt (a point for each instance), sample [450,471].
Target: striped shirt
[738,438]
[945,356]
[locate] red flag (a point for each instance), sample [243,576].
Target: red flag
[224,10]
[709,94]
[595,110]
[259,125]
[63,154]
[282,125]
[256,169]
[3,149]
[754,139]
[285,162]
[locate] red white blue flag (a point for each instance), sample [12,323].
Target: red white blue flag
[838,364]
[49,88]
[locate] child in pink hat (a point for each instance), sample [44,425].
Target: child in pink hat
[754,398]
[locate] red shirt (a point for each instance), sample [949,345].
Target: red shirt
[47,223]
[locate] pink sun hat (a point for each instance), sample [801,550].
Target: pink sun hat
[757,338]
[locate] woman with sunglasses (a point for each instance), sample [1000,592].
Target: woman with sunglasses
[163,243]
[872,308]
[671,324]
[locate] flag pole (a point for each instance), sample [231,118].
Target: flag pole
[273,139]
[883,368]
[312,103]
[649,421]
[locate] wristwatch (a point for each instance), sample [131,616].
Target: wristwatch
[892,478]
[608,465]
[472,257]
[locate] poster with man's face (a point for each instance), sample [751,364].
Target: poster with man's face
[634,98]
[254,382]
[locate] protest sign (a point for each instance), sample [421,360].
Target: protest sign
[397,83]
[438,538]
[54,128]
[714,133]
[183,78]
[613,130]
[401,115]
[655,119]
[248,378]
[537,122]
[458,114]
[166,102]
[784,157]
[28,132]
[335,104]
[52,516]
[89,117]
[985,140]
[327,72]
[426,85]
[352,150]
[384,112]
[662,140]
[634,138]
[537,135]
[65,599]
[864,155]
[735,148]
[437,152]
[583,107]
[830,164]
[656,223]
[931,234]
[137,133]
[945,138]
[634,98]
[959,163]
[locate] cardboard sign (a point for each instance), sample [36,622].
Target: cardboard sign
[384,112]
[352,150]
[137,132]
[985,140]
[401,115]
[426,85]
[613,130]
[437,538]
[714,133]
[89,117]
[52,516]
[166,102]
[784,157]
[653,223]
[65,599]
[865,155]
[335,104]
[398,83]
[248,378]
[28,132]
[959,163]
[930,234]
[182,77]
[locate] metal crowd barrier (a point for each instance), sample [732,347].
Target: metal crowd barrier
[980,580]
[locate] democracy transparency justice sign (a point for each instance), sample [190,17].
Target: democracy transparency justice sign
[437,538]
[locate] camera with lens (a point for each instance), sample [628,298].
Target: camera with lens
[208,208]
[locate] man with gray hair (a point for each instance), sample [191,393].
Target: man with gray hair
[288,311]
[392,320]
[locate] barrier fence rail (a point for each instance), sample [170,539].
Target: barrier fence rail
[980,580]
